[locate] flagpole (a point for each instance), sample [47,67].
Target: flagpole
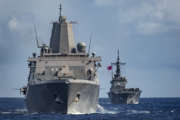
[112,70]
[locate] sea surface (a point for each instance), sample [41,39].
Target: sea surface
[148,109]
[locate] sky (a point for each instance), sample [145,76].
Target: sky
[146,32]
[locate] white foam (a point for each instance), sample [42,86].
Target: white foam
[5,112]
[21,110]
[138,112]
[75,113]
[16,111]
[101,110]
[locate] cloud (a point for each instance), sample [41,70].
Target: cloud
[104,2]
[155,16]
[149,28]
[145,17]
[172,10]
[13,24]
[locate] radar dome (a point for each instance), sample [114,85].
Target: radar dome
[81,47]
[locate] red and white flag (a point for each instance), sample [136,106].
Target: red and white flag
[109,67]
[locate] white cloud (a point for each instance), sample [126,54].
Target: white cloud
[153,16]
[104,2]
[21,27]
[149,28]
[172,10]
[13,24]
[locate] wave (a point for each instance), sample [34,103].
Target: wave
[138,112]
[101,110]
[5,113]
[16,111]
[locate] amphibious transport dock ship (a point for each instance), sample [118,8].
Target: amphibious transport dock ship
[63,78]
[119,94]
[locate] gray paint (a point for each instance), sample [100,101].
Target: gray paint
[42,97]
[62,40]
[62,80]
[118,93]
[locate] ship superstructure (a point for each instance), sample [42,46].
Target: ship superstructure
[119,94]
[63,78]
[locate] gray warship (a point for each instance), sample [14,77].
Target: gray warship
[119,94]
[63,78]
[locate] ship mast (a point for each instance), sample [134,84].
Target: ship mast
[62,38]
[118,71]
[118,66]
[60,10]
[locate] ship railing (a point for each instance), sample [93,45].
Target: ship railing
[130,89]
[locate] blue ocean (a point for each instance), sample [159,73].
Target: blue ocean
[148,109]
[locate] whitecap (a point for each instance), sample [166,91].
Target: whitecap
[21,110]
[101,110]
[138,112]
[16,111]
[5,112]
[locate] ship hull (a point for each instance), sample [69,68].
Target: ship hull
[63,96]
[125,98]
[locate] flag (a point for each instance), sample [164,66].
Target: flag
[109,67]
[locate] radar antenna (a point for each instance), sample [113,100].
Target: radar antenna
[36,37]
[118,65]
[118,55]
[60,11]
[90,39]
[118,70]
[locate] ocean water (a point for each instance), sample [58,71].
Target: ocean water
[148,109]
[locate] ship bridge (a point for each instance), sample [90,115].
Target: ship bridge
[63,58]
